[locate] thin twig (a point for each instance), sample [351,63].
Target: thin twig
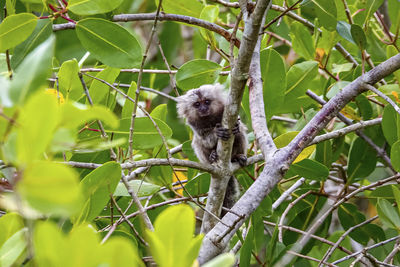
[102,130]
[385,97]
[343,236]
[139,83]
[368,248]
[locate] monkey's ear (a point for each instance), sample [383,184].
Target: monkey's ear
[219,86]
[181,106]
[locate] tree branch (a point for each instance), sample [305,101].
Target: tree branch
[162,17]
[218,238]
[240,74]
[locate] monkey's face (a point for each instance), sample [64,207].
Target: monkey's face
[203,107]
[205,103]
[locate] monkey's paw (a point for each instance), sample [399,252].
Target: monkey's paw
[213,156]
[240,158]
[222,133]
[236,128]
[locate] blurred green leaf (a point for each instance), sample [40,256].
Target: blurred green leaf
[32,73]
[15,29]
[97,187]
[39,119]
[51,188]
[109,43]
[10,223]
[197,72]
[13,248]
[92,7]
[172,243]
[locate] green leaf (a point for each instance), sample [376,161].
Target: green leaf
[74,115]
[109,43]
[42,31]
[198,185]
[323,154]
[299,77]
[362,160]
[51,188]
[390,124]
[97,187]
[395,155]
[32,72]
[326,12]
[310,169]
[68,80]
[99,90]
[343,28]
[13,248]
[141,189]
[92,7]
[284,140]
[190,8]
[226,259]
[209,13]
[172,242]
[39,119]
[10,223]
[372,6]
[15,29]
[118,251]
[396,194]
[388,214]
[197,72]
[273,71]
[350,216]
[392,51]
[145,135]
[358,35]
[128,106]
[302,41]
[160,112]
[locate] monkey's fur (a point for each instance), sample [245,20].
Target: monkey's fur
[203,109]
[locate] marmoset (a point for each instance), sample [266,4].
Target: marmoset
[203,108]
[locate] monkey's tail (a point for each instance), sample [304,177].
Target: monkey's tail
[231,195]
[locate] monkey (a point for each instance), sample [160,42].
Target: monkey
[203,108]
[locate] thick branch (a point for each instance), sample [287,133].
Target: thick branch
[240,74]
[218,238]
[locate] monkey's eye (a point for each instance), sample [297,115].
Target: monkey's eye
[207,102]
[196,104]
